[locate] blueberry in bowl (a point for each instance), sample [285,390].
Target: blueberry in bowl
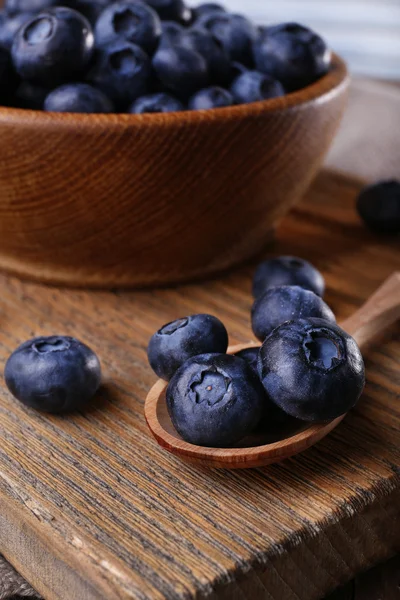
[252,86]
[287,270]
[291,53]
[132,22]
[55,374]
[156,103]
[122,71]
[78,98]
[185,338]
[53,47]
[212,97]
[312,369]
[214,400]
[286,303]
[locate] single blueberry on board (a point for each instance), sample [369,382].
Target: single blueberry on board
[78,98]
[291,53]
[287,270]
[184,338]
[213,97]
[53,47]
[130,22]
[379,206]
[53,374]
[215,400]
[311,369]
[252,86]
[286,303]
[156,103]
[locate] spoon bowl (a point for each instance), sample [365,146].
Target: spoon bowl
[258,450]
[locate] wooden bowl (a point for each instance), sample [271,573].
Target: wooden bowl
[129,200]
[374,317]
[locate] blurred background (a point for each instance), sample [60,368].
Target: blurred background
[365,32]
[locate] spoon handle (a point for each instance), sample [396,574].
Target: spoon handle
[380,311]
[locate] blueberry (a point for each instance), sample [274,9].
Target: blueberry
[218,63]
[273,419]
[10,25]
[130,22]
[8,79]
[237,69]
[180,69]
[252,86]
[122,71]
[78,98]
[206,9]
[182,339]
[171,33]
[12,7]
[250,355]
[311,369]
[379,206]
[291,53]
[53,374]
[30,95]
[156,103]
[53,47]
[214,400]
[287,270]
[169,10]
[91,9]
[234,33]
[213,97]
[286,303]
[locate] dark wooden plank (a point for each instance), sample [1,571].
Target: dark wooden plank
[381,583]
[91,507]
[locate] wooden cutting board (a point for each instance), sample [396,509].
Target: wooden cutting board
[91,507]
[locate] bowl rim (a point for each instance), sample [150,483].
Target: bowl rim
[321,90]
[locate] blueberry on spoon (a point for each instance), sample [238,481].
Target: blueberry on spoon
[214,400]
[286,303]
[287,270]
[182,339]
[312,369]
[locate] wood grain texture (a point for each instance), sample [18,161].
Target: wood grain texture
[380,311]
[92,508]
[105,200]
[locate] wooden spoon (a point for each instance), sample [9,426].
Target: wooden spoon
[378,313]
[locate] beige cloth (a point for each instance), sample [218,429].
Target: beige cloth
[367,146]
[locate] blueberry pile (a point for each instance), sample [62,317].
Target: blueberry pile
[307,368]
[148,56]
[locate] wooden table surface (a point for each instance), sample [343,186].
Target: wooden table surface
[92,508]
